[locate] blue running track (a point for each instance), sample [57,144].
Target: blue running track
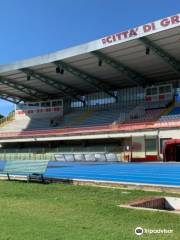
[166,174]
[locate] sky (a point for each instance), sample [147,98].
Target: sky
[37,27]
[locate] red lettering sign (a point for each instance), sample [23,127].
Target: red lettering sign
[175,19]
[165,22]
[147,28]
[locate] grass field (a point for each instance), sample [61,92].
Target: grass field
[55,211]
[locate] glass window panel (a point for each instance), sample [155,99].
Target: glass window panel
[161,89]
[148,91]
[45,104]
[57,103]
[153,91]
[167,89]
[151,146]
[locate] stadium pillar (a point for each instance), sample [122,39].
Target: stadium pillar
[131,148]
[158,145]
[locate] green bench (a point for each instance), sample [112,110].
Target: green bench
[33,169]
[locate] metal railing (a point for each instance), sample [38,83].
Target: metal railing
[27,156]
[44,153]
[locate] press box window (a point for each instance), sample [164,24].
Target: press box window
[45,104]
[56,103]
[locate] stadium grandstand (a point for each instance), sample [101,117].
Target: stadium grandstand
[113,99]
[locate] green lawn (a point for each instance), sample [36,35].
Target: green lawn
[56,211]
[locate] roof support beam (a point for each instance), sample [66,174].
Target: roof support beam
[135,77]
[95,82]
[166,57]
[16,97]
[10,97]
[64,89]
[33,93]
